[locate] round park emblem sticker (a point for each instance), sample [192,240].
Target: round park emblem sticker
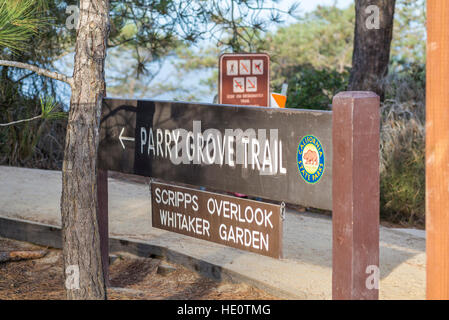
[310,159]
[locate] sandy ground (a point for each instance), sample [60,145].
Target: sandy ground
[305,271]
[131,278]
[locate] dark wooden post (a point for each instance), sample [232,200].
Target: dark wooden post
[102,192]
[437,149]
[355,195]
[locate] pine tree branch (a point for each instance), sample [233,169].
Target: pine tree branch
[19,121]
[39,71]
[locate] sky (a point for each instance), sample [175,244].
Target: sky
[309,5]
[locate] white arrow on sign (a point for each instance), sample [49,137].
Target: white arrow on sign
[121,138]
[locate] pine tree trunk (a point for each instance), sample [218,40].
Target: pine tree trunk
[371,53]
[81,241]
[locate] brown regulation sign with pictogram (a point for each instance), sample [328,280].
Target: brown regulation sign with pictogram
[244,79]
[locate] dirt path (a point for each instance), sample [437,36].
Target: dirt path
[131,278]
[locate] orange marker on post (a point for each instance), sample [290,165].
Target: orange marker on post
[278,100]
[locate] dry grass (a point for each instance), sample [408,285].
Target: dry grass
[402,174]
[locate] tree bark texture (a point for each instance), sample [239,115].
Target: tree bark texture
[79,205]
[371,53]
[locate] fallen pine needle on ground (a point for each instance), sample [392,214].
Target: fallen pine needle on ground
[131,277]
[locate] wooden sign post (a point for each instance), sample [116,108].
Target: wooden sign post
[355,196]
[437,149]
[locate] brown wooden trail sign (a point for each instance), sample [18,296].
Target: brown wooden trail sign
[328,160]
[250,150]
[235,222]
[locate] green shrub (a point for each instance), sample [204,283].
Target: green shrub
[310,88]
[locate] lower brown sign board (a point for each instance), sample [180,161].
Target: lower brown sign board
[256,151]
[235,222]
